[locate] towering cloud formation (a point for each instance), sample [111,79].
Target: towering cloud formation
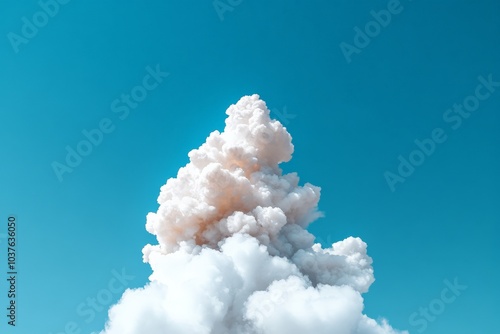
[234,255]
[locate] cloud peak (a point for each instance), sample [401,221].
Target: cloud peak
[233,253]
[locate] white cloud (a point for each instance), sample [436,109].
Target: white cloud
[234,255]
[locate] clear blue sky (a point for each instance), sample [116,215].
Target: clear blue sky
[354,116]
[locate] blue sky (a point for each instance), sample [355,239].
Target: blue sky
[352,117]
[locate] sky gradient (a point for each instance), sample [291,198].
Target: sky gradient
[351,118]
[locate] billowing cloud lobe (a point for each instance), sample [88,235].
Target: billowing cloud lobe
[233,253]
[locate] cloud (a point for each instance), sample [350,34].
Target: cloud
[234,255]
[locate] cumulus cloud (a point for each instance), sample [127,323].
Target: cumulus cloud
[234,255]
